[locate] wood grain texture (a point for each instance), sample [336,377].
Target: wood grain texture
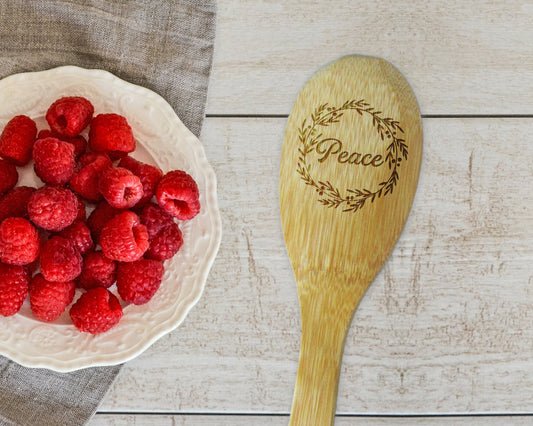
[266,420]
[445,327]
[345,195]
[461,57]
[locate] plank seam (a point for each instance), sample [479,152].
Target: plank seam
[443,116]
[267,414]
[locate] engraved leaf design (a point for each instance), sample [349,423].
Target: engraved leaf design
[355,198]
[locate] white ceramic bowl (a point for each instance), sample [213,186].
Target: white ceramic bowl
[162,139]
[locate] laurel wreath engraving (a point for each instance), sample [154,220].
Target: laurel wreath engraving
[355,198]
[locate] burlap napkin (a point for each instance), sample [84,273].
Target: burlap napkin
[164,45]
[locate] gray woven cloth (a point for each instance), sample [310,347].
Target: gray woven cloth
[164,45]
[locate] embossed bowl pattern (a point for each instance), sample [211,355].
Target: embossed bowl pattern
[162,139]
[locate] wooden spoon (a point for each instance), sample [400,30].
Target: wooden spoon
[349,170]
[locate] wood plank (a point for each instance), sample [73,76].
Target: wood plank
[460,57]
[264,420]
[445,327]
[186,420]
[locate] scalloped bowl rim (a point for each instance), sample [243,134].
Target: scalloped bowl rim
[211,236]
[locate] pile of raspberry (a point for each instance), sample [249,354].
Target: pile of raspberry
[48,245]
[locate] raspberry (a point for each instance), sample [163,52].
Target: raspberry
[138,281]
[98,271]
[79,142]
[53,208]
[149,176]
[54,160]
[155,219]
[165,236]
[48,300]
[82,214]
[85,181]
[177,194]
[15,202]
[124,238]
[165,244]
[99,217]
[60,261]
[80,235]
[46,133]
[116,155]
[14,282]
[33,266]
[16,141]
[68,116]
[120,187]
[19,241]
[96,311]
[8,176]
[110,133]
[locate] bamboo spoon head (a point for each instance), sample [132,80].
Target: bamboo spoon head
[349,170]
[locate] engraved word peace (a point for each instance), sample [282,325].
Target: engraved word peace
[309,136]
[331,147]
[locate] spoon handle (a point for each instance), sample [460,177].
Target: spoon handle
[325,322]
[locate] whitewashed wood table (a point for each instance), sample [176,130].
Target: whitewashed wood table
[445,333]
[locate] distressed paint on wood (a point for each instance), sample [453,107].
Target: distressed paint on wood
[461,57]
[268,420]
[445,327]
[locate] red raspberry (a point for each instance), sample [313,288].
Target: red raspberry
[54,160]
[96,311]
[165,244]
[35,265]
[82,214]
[15,202]
[120,187]
[91,157]
[111,132]
[80,235]
[68,116]
[8,176]
[46,133]
[116,155]
[14,281]
[79,142]
[98,271]
[53,208]
[99,217]
[138,281]
[149,176]
[177,194]
[60,261]
[155,219]
[165,235]
[48,300]
[85,181]
[19,241]
[16,141]
[124,238]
